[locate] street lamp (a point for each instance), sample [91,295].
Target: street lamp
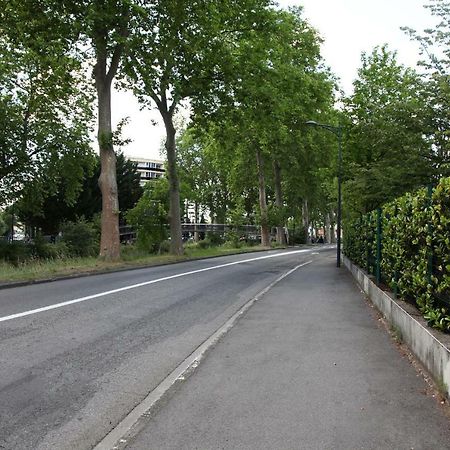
[338,132]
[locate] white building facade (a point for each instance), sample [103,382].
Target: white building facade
[148,169]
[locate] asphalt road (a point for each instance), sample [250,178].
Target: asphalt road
[70,372]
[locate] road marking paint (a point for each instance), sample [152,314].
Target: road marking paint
[133,422]
[145,283]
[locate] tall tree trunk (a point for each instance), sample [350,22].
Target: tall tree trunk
[333,230]
[196,236]
[328,228]
[265,237]
[110,241]
[306,220]
[281,236]
[176,242]
[104,76]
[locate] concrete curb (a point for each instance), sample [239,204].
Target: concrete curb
[426,343]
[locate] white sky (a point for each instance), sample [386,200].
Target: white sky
[348,27]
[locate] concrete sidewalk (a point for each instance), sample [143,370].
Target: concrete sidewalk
[306,368]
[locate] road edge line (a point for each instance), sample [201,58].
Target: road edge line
[117,437]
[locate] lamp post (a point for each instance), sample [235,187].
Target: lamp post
[336,130]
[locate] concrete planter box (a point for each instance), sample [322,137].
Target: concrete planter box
[430,346]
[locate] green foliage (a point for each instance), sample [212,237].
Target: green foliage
[214,238]
[415,249]
[15,252]
[232,239]
[149,216]
[44,109]
[434,43]
[49,214]
[205,243]
[19,252]
[81,238]
[41,249]
[387,152]
[274,83]
[3,225]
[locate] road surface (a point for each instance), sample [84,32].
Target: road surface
[77,355]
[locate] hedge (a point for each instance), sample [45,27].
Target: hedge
[413,255]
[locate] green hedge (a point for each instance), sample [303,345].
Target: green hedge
[415,249]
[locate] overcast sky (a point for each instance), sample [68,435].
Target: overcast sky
[348,28]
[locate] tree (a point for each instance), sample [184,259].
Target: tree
[278,83]
[434,44]
[97,32]
[387,152]
[204,173]
[49,215]
[45,115]
[182,57]
[149,216]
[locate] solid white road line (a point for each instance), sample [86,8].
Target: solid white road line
[118,437]
[145,283]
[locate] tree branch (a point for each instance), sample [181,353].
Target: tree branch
[118,51]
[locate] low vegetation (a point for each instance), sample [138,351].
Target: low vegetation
[415,249]
[38,269]
[74,254]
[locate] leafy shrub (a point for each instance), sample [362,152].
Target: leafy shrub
[206,243]
[80,238]
[149,216]
[164,247]
[415,249]
[42,249]
[15,252]
[232,239]
[214,238]
[297,236]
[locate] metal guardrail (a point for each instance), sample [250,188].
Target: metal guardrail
[219,228]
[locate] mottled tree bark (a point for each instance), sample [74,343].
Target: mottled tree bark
[176,242]
[333,231]
[265,234]
[281,236]
[328,228]
[196,235]
[110,241]
[306,220]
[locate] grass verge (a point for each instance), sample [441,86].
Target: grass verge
[48,269]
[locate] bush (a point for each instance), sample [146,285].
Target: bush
[15,252]
[214,238]
[80,238]
[415,249]
[297,236]
[206,243]
[164,247]
[232,239]
[41,249]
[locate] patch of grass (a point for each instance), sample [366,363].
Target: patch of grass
[442,388]
[397,333]
[131,257]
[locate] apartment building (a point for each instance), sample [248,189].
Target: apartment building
[148,169]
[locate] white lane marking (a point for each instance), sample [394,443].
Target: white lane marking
[145,283]
[120,434]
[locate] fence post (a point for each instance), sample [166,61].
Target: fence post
[378,260]
[368,256]
[430,236]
